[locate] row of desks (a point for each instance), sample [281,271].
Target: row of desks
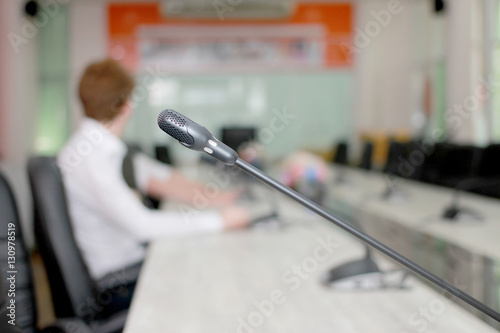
[420,206]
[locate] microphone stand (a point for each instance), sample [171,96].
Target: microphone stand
[340,174]
[392,191]
[367,239]
[364,272]
[453,211]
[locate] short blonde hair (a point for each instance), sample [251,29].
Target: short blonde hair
[104,89]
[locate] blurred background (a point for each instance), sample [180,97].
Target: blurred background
[305,75]
[345,70]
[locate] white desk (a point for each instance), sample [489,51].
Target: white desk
[210,283]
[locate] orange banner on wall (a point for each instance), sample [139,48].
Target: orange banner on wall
[125,20]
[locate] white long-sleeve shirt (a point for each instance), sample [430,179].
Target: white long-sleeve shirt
[110,223]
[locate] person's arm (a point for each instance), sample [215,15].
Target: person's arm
[118,203]
[160,181]
[180,188]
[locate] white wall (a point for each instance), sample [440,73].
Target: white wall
[464,69]
[384,67]
[87,43]
[18,103]
[392,67]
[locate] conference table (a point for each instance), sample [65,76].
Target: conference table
[268,279]
[465,252]
[419,206]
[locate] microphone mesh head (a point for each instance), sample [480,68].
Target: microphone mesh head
[174,124]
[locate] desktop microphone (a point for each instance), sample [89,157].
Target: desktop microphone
[197,137]
[454,211]
[194,136]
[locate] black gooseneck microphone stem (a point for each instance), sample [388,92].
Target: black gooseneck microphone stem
[456,198]
[367,239]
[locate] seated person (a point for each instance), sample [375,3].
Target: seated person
[110,223]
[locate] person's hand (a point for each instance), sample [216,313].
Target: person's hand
[235,217]
[225,198]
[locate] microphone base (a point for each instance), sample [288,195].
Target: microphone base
[362,274]
[394,195]
[456,214]
[341,180]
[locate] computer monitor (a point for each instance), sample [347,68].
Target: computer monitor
[234,137]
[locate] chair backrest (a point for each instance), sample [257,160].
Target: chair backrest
[366,156]
[489,163]
[460,162]
[69,278]
[431,168]
[11,235]
[417,152]
[396,153]
[406,159]
[162,154]
[128,171]
[450,163]
[340,155]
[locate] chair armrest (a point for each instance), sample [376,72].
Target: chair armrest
[113,324]
[119,278]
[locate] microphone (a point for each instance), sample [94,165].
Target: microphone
[197,137]
[194,136]
[453,211]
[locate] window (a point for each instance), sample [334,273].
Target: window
[53,112]
[496,74]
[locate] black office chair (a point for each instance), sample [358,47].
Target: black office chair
[431,167]
[489,162]
[366,156]
[396,166]
[417,153]
[162,154]
[26,314]
[72,287]
[405,159]
[396,153]
[488,172]
[340,154]
[128,171]
[458,162]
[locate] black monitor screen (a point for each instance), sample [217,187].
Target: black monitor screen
[234,137]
